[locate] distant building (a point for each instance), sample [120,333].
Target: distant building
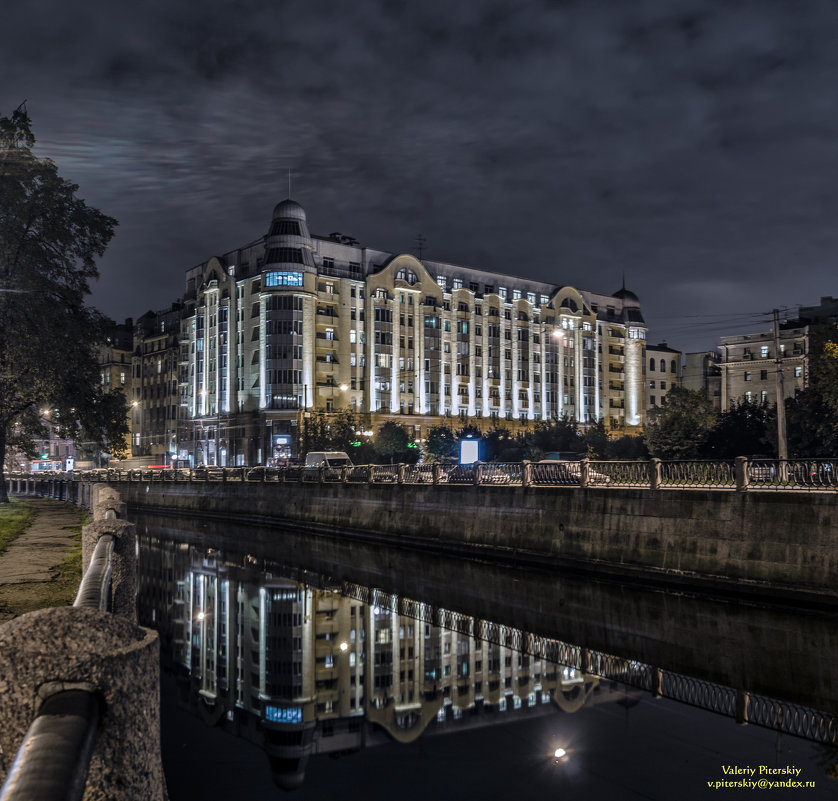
[663,371]
[155,399]
[702,372]
[825,312]
[294,324]
[749,364]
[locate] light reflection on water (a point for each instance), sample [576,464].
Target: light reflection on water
[306,666]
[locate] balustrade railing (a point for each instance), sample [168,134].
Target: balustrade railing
[741,474]
[697,474]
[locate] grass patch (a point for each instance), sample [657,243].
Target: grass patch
[62,590]
[14,518]
[61,587]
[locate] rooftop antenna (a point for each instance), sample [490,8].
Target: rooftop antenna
[624,279]
[420,244]
[289,183]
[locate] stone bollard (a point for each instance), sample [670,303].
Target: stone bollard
[64,648]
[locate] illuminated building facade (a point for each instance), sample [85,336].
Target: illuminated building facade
[295,323]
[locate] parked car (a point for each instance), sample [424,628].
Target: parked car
[328,459]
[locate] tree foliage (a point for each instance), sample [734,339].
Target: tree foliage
[395,445]
[440,444]
[745,429]
[49,242]
[680,429]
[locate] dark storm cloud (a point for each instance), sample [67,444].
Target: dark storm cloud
[686,144]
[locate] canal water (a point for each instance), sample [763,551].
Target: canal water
[294,665]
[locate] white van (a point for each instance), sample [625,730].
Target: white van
[328,459]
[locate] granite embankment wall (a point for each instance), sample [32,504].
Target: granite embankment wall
[770,542]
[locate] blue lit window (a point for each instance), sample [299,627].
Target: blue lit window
[283,279]
[275,714]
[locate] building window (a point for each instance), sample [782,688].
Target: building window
[283,279]
[651,365]
[763,352]
[763,375]
[747,376]
[798,372]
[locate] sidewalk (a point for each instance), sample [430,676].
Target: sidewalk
[30,564]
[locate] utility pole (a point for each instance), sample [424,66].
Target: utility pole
[782,447]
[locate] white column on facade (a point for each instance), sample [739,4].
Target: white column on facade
[395,372]
[369,349]
[580,362]
[530,365]
[472,362]
[263,369]
[596,340]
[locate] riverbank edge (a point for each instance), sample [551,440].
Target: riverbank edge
[708,584]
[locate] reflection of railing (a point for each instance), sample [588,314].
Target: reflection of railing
[745,707]
[740,474]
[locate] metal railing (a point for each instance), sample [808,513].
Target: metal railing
[740,474]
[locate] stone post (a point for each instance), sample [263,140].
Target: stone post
[655,473]
[63,648]
[526,477]
[740,471]
[477,473]
[400,476]
[584,472]
[435,471]
[109,518]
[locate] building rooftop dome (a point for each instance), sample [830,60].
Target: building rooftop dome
[289,209]
[626,294]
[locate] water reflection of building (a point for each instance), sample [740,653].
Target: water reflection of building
[303,670]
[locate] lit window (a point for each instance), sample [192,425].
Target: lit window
[283,279]
[763,352]
[798,372]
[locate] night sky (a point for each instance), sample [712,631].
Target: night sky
[689,145]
